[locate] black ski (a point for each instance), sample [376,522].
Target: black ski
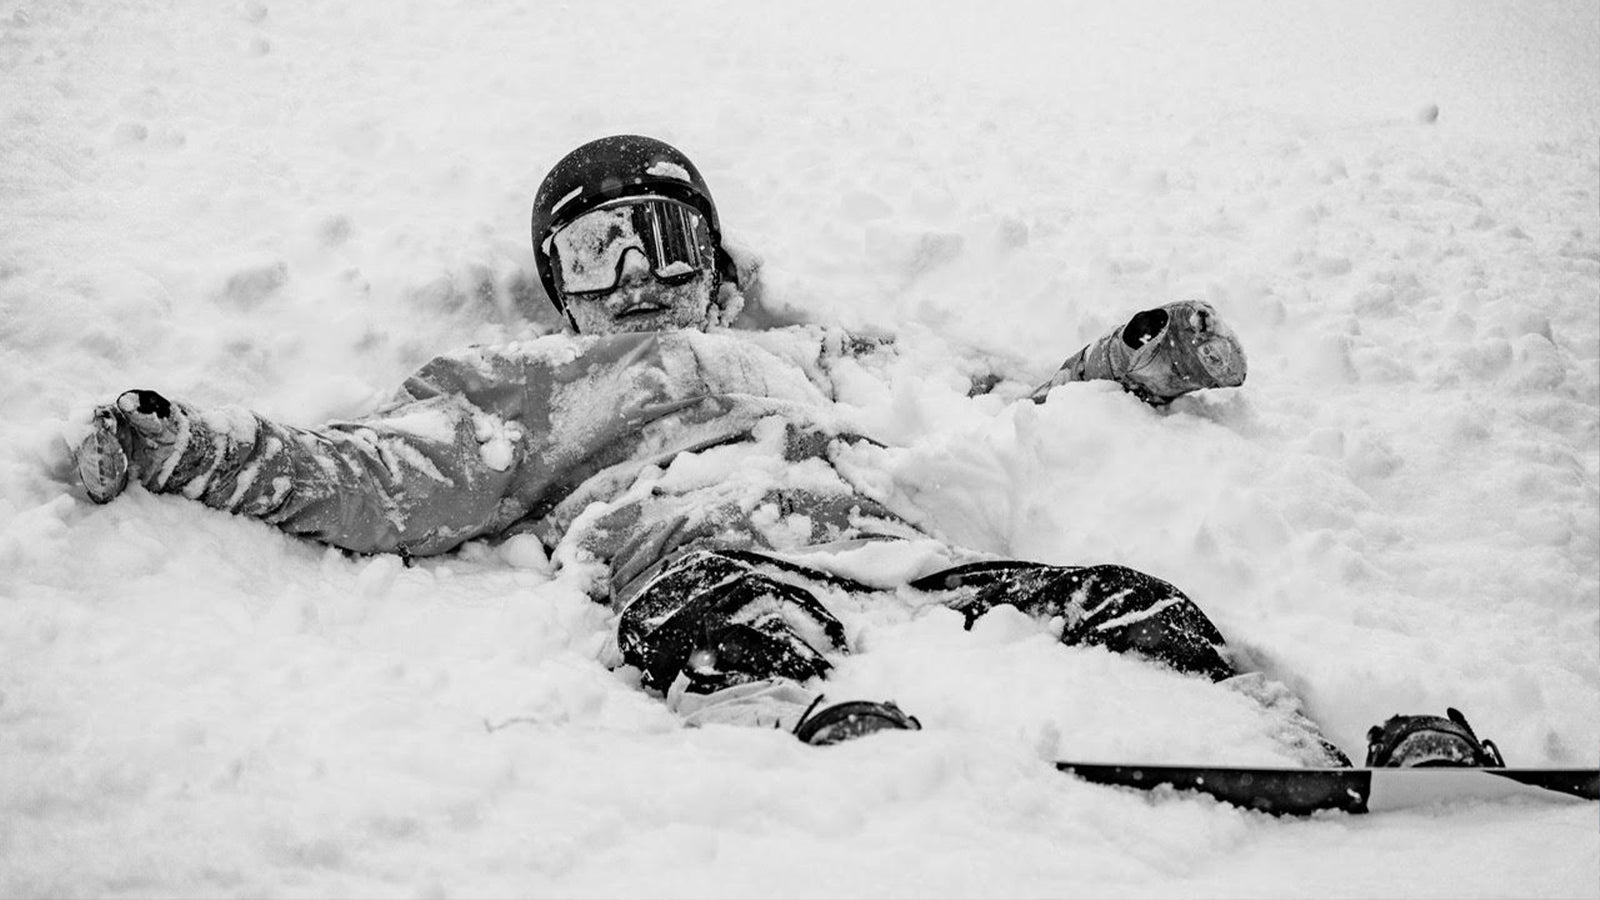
[1303,791]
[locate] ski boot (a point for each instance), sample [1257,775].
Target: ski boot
[1159,355]
[850,720]
[1419,741]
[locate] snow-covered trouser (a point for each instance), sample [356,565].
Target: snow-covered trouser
[720,618]
[728,617]
[1121,609]
[739,637]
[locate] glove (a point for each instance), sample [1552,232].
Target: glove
[136,435]
[1160,354]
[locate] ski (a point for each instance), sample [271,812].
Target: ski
[1303,791]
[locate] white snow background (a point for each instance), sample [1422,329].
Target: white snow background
[290,205]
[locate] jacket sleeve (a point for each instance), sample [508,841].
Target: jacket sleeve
[426,473]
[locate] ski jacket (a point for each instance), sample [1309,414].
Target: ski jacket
[630,446]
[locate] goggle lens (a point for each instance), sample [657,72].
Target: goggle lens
[673,236]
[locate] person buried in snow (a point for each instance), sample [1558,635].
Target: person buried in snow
[705,472]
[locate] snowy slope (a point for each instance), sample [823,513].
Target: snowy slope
[291,205]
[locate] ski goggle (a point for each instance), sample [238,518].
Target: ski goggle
[673,236]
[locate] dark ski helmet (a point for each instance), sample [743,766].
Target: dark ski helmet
[623,165]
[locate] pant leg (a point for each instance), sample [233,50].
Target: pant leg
[1121,609]
[1127,611]
[719,619]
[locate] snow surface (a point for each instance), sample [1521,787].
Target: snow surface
[292,205]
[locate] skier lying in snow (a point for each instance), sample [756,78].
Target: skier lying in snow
[707,472]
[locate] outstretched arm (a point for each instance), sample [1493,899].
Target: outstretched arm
[1159,355]
[419,479]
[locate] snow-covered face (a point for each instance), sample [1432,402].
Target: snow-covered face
[642,302]
[639,263]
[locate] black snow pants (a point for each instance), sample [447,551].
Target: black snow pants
[726,617]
